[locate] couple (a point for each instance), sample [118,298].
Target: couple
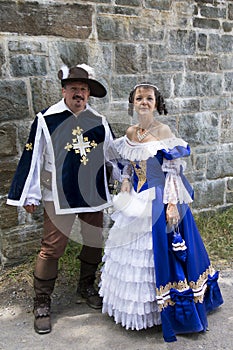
[156,269]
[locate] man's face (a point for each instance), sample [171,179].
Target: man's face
[76,95]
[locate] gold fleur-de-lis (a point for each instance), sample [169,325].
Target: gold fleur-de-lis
[68,146]
[84,160]
[77,131]
[28,146]
[93,144]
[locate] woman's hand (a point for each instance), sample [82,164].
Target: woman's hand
[125,186]
[172,214]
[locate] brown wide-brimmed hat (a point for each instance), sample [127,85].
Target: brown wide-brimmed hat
[84,73]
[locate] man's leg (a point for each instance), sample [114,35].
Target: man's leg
[55,237]
[90,257]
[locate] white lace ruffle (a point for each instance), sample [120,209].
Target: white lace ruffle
[131,273]
[130,321]
[142,258]
[124,293]
[134,151]
[174,189]
[128,282]
[173,166]
[138,240]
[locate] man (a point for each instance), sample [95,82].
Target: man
[66,153]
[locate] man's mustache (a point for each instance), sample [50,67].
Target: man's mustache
[78,97]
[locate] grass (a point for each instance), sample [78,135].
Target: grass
[216,230]
[217,233]
[69,264]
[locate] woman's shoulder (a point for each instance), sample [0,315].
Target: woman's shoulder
[130,132]
[163,131]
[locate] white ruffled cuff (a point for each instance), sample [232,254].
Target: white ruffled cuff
[30,201]
[174,189]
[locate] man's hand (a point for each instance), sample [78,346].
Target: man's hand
[30,208]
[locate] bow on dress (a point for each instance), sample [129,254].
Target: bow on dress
[213,297]
[184,304]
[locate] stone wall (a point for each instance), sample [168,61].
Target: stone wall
[184,47]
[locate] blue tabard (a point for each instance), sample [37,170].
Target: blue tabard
[76,155]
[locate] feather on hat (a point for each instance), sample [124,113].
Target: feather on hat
[82,72]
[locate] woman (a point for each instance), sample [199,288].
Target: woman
[156,269]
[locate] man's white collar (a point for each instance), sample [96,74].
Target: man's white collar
[60,107]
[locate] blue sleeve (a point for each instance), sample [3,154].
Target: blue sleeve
[176,152]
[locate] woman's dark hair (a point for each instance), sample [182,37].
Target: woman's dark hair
[160,104]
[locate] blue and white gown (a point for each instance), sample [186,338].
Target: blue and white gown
[151,274]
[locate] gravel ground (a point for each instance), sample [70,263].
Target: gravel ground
[76,326]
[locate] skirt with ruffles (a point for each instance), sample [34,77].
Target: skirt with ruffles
[128,276]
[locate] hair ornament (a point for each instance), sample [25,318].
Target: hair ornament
[146,84]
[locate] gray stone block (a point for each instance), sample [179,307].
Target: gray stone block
[44,93]
[8,139]
[130,59]
[158,4]
[228,78]
[199,129]
[220,43]
[20,243]
[34,18]
[182,42]
[220,165]
[209,194]
[198,85]
[14,102]
[28,65]
[72,52]
[206,23]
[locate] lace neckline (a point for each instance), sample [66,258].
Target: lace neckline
[133,150]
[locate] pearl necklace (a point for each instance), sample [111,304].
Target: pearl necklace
[140,136]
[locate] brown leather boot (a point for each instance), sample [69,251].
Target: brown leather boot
[42,323]
[90,295]
[86,288]
[42,301]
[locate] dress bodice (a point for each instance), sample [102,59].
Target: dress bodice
[147,159]
[148,173]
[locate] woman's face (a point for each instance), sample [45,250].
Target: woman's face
[144,101]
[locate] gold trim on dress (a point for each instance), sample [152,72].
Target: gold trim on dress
[140,172]
[198,288]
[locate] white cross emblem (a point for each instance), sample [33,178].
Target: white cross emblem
[80,145]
